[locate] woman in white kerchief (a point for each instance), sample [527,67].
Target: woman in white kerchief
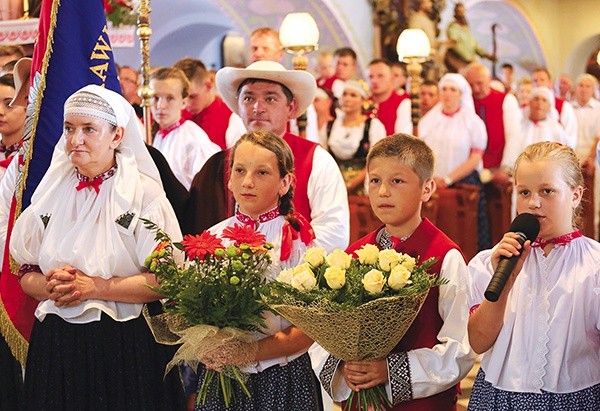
[540,123]
[81,246]
[458,139]
[352,134]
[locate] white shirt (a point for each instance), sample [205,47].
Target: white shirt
[511,119]
[328,198]
[344,141]
[531,132]
[273,232]
[8,184]
[337,88]
[550,339]
[588,126]
[403,122]
[186,149]
[235,130]
[83,231]
[432,370]
[452,137]
[569,123]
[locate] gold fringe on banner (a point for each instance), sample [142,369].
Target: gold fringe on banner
[17,344]
[38,97]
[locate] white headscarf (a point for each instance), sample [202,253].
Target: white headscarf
[547,94]
[466,96]
[132,146]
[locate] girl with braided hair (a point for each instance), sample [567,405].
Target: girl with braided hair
[261,180]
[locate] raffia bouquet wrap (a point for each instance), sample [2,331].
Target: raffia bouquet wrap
[212,304]
[355,308]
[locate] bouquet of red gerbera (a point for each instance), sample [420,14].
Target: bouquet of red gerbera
[212,299]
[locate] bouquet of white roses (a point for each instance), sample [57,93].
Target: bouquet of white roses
[355,308]
[212,302]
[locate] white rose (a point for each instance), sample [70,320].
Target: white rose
[408,262]
[304,279]
[285,276]
[315,256]
[388,259]
[399,277]
[335,277]
[367,254]
[339,259]
[373,281]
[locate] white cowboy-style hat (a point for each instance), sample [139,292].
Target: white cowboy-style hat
[301,83]
[21,74]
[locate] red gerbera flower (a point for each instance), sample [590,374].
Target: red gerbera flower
[244,234]
[200,245]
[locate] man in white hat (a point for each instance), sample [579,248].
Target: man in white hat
[266,96]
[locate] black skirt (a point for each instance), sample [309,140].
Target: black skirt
[486,397]
[102,365]
[292,387]
[11,380]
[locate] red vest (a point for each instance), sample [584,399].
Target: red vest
[558,103]
[387,111]
[490,110]
[327,82]
[427,241]
[303,151]
[214,120]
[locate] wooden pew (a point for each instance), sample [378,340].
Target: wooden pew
[363,220]
[587,204]
[457,216]
[499,209]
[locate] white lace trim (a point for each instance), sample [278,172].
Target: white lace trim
[542,326]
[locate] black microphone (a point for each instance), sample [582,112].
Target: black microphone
[527,227]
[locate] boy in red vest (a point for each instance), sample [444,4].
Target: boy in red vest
[424,369]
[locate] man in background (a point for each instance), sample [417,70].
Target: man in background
[391,108]
[128,77]
[207,110]
[429,96]
[502,117]
[265,45]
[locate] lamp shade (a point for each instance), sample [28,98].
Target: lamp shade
[298,29]
[413,43]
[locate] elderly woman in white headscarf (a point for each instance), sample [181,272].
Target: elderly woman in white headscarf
[352,134]
[540,123]
[458,139]
[82,245]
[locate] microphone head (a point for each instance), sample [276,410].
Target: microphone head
[527,224]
